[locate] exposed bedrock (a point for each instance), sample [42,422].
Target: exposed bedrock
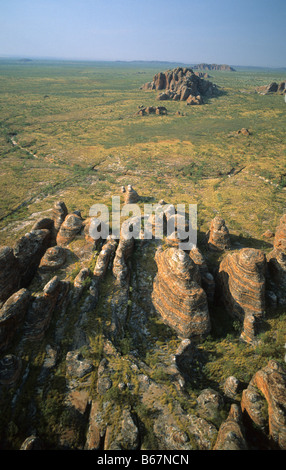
[207,279]
[241,281]
[104,258]
[267,387]
[218,238]
[177,295]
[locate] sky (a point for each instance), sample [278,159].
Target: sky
[234,32]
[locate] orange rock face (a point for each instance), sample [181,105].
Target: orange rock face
[242,284]
[177,295]
[231,435]
[271,382]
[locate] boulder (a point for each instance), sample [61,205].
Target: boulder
[241,279]
[177,295]
[207,279]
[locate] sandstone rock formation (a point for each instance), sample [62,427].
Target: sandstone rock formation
[130,195]
[181,84]
[42,307]
[12,316]
[218,238]
[59,214]
[53,259]
[242,287]
[177,295]
[231,432]
[271,383]
[29,250]
[9,273]
[276,262]
[69,229]
[123,252]
[105,256]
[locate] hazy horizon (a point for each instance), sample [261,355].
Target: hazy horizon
[243,33]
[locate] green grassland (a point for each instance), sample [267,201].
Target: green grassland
[80,139]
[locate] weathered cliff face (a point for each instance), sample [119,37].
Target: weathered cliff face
[177,295]
[181,84]
[242,286]
[271,383]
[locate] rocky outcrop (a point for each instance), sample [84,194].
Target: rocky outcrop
[120,264]
[59,214]
[70,228]
[223,67]
[231,433]
[218,238]
[268,388]
[29,251]
[159,110]
[9,273]
[130,195]
[53,259]
[105,256]
[272,87]
[177,295]
[12,316]
[42,307]
[231,386]
[242,287]
[181,84]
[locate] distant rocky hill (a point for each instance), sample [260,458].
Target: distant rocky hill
[182,84]
[272,87]
[223,67]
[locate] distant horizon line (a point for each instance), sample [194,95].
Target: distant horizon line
[155,61]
